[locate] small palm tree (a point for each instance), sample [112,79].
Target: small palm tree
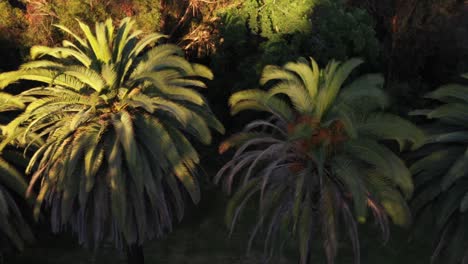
[116,113]
[318,161]
[441,172]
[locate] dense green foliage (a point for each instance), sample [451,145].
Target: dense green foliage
[31,22]
[442,170]
[112,119]
[317,163]
[27,23]
[146,13]
[12,26]
[257,33]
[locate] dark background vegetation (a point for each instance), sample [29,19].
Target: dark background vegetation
[417,44]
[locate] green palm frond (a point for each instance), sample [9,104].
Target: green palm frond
[352,178]
[259,100]
[290,84]
[451,93]
[390,198]
[441,171]
[60,53]
[366,93]
[10,102]
[307,74]
[384,161]
[13,227]
[392,127]
[333,81]
[319,161]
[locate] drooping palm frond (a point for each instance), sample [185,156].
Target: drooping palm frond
[318,162]
[115,116]
[441,172]
[14,229]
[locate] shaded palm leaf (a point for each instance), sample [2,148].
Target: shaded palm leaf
[441,172]
[14,230]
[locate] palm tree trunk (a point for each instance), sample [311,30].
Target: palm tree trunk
[135,254]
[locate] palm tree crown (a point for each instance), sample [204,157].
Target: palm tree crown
[115,113]
[319,156]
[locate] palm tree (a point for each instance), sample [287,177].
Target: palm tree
[318,161]
[441,172]
[117,113]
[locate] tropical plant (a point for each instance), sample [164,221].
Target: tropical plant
[14,230]
[116,113]
[441,172]
[318,161]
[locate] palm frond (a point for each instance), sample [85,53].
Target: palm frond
[365,93]
[259,100]
[335,75]
[384,161]
[441,170]
[450,93]
[351,177]
[392,127]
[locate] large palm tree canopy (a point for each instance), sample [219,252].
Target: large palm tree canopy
[116,114]
[441,172]
[319,156]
